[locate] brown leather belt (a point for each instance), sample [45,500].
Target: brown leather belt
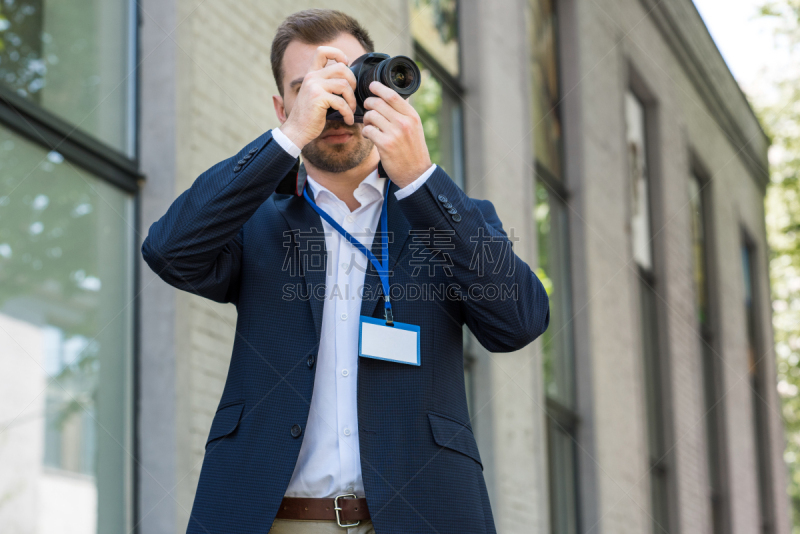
[345,509]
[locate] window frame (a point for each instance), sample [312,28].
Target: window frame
[717,453]
[759,385]
[453,86]
[656,368]
[559,417]
[46,129]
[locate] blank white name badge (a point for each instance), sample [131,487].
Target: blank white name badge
[398,343]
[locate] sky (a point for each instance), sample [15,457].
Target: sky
[746,41]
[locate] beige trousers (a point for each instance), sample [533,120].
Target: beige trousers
[292,526]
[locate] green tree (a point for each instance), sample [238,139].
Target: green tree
[781,118]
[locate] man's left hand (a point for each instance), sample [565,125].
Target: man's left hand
[396,129]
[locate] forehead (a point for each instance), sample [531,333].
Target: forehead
[298,56]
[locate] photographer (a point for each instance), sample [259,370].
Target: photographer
[344,407]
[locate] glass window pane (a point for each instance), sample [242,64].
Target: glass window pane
[440,112]
[761,410]
[73,59]
[545,84]
[434,25]
[698,247]
[637,159]
[553,270]
[563,490]
[66,257]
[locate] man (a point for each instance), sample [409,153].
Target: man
[314,431]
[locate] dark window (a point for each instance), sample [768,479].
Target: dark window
[699,195]
[545,104]
[758,386]
[652,355]
[550,213]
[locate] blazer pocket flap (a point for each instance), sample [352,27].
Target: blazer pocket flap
[454,435]
[225,421]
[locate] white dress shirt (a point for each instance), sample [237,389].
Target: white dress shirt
[329,462]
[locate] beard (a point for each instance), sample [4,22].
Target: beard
[338,157]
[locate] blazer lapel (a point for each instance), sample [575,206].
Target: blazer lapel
[308,236]
[310,252]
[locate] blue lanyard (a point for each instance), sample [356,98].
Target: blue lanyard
[383,269]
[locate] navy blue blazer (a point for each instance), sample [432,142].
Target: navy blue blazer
[242,234]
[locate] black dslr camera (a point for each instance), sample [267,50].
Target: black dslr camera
[399,73]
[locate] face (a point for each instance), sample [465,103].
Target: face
[339,147]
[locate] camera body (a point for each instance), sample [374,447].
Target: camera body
[399,73]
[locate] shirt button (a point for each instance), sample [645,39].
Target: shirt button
[350,218]
[344,266]
[346,431]
[296,431]
[345,372]
[344,317]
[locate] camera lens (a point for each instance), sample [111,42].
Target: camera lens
[401,76]
[399,73]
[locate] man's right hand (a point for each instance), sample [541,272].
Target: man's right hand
[320,91]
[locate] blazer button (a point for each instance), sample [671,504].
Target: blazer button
[452,211]
[237,168]
[247,157]
[253,151]
[296,431]
[242,161]
[310,361]
[447,205]
[456,217]
[442,198]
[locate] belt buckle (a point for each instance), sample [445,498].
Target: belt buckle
[338,509]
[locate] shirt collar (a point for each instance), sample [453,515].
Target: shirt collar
[364,193]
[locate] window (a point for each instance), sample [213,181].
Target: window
[545,104]
[652,355]
[758,385]
[434,26]
[699,195]
[439,99]
[550,213]
[67,178]
[470,361]
[73,59]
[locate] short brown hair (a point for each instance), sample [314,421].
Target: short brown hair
[314,26]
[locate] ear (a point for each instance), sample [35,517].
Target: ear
[280,110]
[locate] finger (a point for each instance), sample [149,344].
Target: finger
[338,86]
[382,107]
[373,134]
[323,54]
[341,105]
[338,70]
[374,118]
[391,97]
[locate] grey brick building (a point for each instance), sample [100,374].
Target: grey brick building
[611,138]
